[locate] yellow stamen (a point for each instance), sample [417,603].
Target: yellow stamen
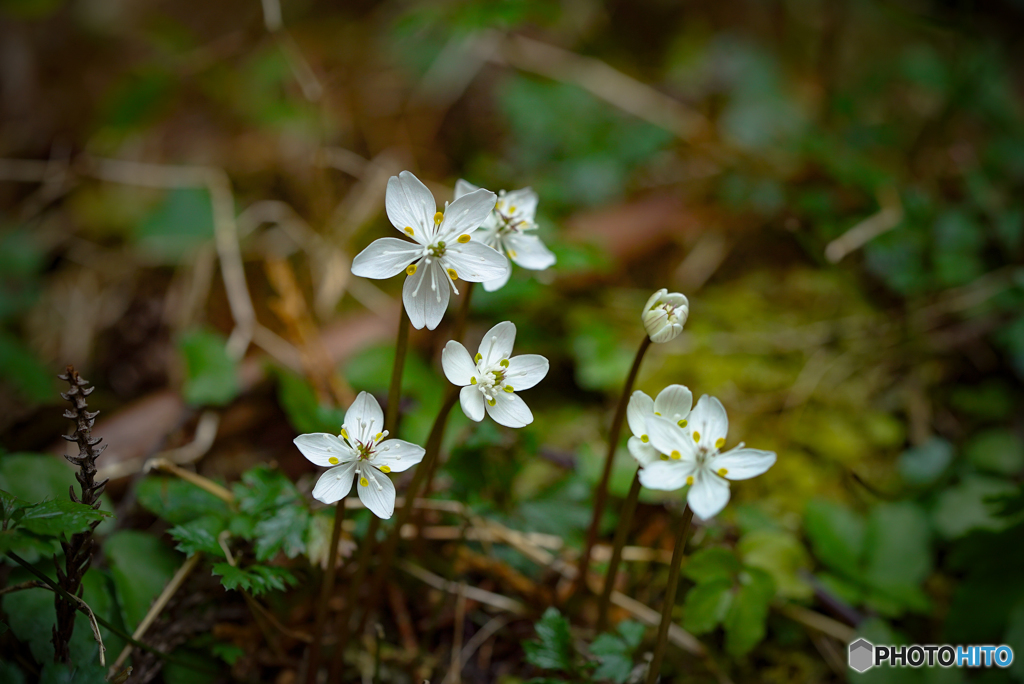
[333,460]
[689,480]
[512,253]
[492,402]
[364,482]
[438,217]
[385,469]
[676,455]
[478,357]
[683,423]
[410,269]
[508,388]
[656,413]
[720,442]
[664,457]
[503,363]
[512,210]
[408,231]
[452,274]
[723,471]
[464,239]
[344,433]
[645,439]
[696,436]
[472,380]
[376,437]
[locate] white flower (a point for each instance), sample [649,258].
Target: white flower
[442,252]
[362,451]
[505,230]
[665,314]
[673,403]
[695,458]
[491,380]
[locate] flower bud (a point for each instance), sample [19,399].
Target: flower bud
[665,314]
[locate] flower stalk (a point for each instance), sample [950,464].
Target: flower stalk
[326,589]
[682,532]
[625,521]
[601,495]
[78,551]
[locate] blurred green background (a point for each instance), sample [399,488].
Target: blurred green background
[837,186]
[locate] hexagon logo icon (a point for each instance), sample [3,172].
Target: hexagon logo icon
[862,655]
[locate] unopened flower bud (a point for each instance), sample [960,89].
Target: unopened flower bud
[665,314]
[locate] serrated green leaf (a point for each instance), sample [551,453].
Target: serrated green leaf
[284,531]
[9,504]
[608,644]
[707,604]
[996,451]
[256,579]
[264,489]
[615,667]
[713,563]
[200,535]
[177,501]
[54,518]
[745,622]
[211,376]
[553,651]
[632,633]
[231,577]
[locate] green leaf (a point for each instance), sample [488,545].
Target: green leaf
[836,534]
[608,644]
[141,566]
[256,579]
[178,227]
[971,505]
[176,501]
[11,673]
[1014,637]
[9,504]
[745,621]
[299,401]
[996,451]
[54,518]
[229,653]
[898,555]
[781,555]
[23,371]
[632,633]
[707,604]
[713,563]
[25,543]
[553,651]
[35,477]
[211,376]
[284,531]
[613,666]
[924,464]
[78,673]
[200,535]
[264,489]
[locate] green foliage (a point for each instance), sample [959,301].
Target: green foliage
[33,528]
[611,653]
[615,652]
[924,464]
[141,566]
[256,579]
[211,376]
[177,501]
[22,370]
[59,673]
[553,648]
[305,413]
[181,224]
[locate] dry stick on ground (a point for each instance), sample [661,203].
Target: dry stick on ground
[601,493]
[79,549]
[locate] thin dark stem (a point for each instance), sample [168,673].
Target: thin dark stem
[601,494]
[326,589]
[625,520]
[393,409]
[102,621]
[463,318]
[345,616]
[682,531]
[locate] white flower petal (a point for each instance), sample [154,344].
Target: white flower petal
[497,342]
[708,495]
[397,454]
[668,438]
[743,464]
[472,402]
[644,454]
[475,262]
[674,402]
[320,448]
[640,406]
[652,301]
[464,187]
[666,476]
[509,410]
[378,494]
[526,371]
[497,283]
[457,364]
[364,419]
[466,214]
[385,258]
[529,252]
[708,422]
[334,484]
[425,295]
[520,203]
[410,205]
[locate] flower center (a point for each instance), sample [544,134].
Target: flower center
[437,249]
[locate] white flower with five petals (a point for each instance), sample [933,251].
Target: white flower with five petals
[695,458]
[363,454]
[490,380]
[505,229]
[673,402]
[442,251]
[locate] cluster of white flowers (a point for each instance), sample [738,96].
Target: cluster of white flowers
[468,241]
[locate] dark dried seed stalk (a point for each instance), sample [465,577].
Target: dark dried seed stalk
[79,550]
